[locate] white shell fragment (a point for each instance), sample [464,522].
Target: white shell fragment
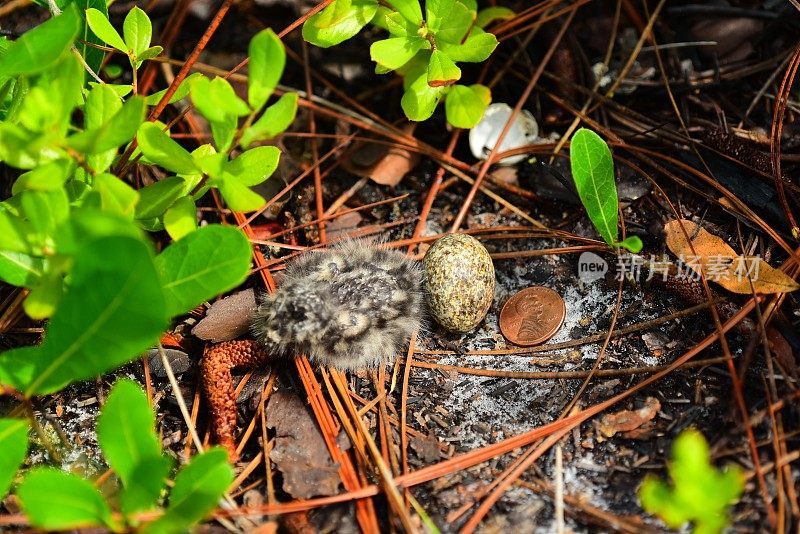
[483,137]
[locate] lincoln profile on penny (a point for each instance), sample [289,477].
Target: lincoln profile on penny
[532,316]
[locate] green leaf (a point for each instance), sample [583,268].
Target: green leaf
[20,269]
[336,12]
[267,60]
[477,47]
[471,5]
[64,85]
[112,71]
[156,198]
[38,113]
[45,295]
[449,20]
[159,148]
[420,99]
[395,52]
[92,55]
[490,14]
[150,53]
[464,106]
[181,92]
[275,119]
[21,88]
[127,435]
[441,70]
[18,147]
[237,195]
[126,429]
[45,177]
[398,26]
[198,487]
[409,9]
[113,310]
[632,243]
[122,90]
[210,163]
[41,47]
[13,448]
[45,209]
[145,484]
[203,264]
[14,232]
[6,86]
[116,131]
[121,128]
[47,114]
[255,165]
[593,172]
[102,28]
[115,195]
[483,92]
[223,132]
[341,20]
[181,218]
[55,500]
[87,223]
[394,23]
[216,100]
[137,31]
[102,103]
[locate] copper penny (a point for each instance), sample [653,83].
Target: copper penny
[532,316]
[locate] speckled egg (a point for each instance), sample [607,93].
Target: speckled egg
[459,282]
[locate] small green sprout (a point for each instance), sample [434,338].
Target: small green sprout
[423,48]
[593,172]
[699,493]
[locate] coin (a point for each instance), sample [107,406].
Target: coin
[532,316]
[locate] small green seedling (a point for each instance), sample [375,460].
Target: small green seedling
[593,172]
[423,49]
[699,493]
[56,500]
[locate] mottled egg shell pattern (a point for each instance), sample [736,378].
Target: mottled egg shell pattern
[459,279]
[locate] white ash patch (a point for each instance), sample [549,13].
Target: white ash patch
[487,409]
[75,411]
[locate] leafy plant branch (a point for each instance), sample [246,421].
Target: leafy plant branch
[75,234]
[424,50]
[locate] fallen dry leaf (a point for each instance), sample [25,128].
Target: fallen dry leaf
[300,452]
[342,225]
[628,420]
[178,361]
[709,254]
[227,318]
[643,432]
[782,351]
[380,163]
[426,448]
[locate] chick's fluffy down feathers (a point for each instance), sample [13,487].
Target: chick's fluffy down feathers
[352,306]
